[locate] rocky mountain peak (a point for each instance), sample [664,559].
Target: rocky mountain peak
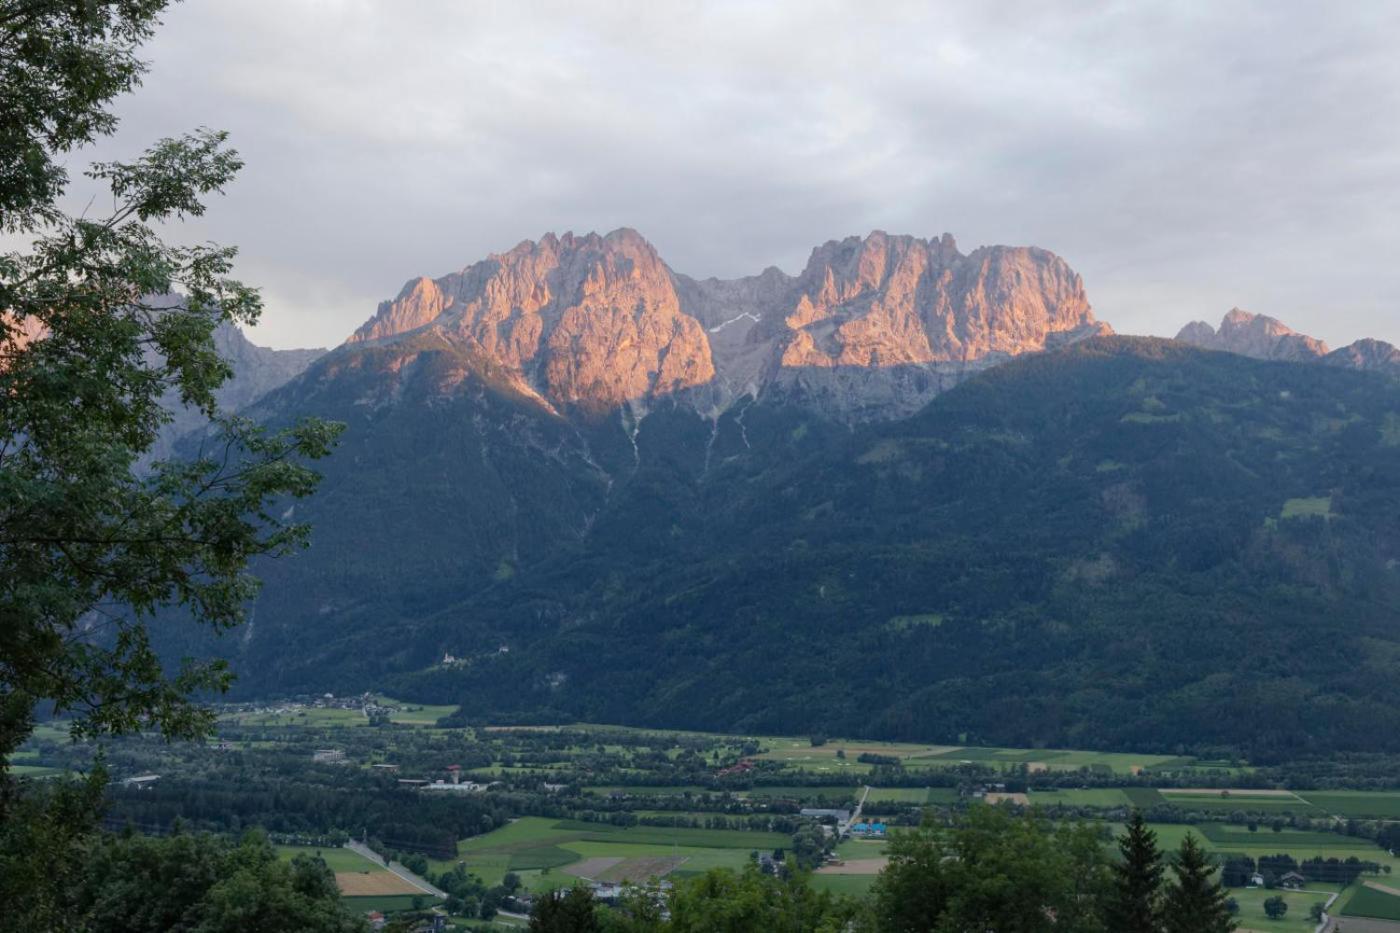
[1266,338]
[873,326]
[587,320]
[1367,354]
[1254,335]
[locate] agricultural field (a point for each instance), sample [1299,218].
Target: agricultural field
[649,790]
[1375,901]
[337,860]
[355,875]
[304,717]
[840,755]
[33,771]
[415,714]
[846,794]
[800,754]
[1226,836]
[383,903]
[552,853]
[1265,802]
[1104,797]
[1350,804]
[1045,759]
[914,795]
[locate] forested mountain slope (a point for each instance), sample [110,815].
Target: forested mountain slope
[1126,542]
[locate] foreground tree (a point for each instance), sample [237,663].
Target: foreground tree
[1136,906]
[90,547]
[204,885]
[994,871]
[92,343]
[730,902]
[571,911]
[1196,902]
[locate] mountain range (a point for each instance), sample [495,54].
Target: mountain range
[909,492]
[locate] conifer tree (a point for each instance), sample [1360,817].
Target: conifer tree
[1135,905]
[1196,901]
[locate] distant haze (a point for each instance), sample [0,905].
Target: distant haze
[1184,157]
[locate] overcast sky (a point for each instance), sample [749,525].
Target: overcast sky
[1184,157]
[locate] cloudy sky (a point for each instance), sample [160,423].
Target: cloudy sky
[1184,157]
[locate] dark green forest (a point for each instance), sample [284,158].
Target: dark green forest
[1128,543]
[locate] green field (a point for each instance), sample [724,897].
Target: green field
[384,903]
[648,790]
[1241,800]
[1226,836]
[1144,797]
[830,794]
[33,771]
[801,753]
[1252,916]
[1368,902]
[302,718]
[862,848]
[1107,797]
[1049,759]
[537,848]
[335,859]
[918,795]
[1357,804]
[416,714]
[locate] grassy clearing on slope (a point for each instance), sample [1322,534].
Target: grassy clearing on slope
[1315,506]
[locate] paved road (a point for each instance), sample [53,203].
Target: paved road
[842,829]
[397,869]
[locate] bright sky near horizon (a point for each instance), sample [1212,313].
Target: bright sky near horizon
[1184,157]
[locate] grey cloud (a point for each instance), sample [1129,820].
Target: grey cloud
[1185,157]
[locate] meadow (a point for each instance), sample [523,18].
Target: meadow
[541,850]
[1374,903]
[1253,919]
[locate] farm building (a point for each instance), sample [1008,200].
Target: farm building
[869,829]
[465,787]
[141,781]
[840,816]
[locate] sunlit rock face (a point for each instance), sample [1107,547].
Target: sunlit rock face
[592,321]
[1254,335]
[878,326]
[873,327]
